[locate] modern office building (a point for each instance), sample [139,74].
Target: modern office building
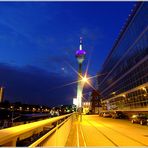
[124,85]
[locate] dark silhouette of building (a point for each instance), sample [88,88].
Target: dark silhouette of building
[95,101]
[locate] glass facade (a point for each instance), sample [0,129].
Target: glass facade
[125,83]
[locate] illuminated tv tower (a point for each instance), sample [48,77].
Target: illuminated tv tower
[80,55]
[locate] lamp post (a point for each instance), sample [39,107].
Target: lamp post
[80,55]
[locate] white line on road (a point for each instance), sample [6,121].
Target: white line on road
[83,136]
[77,136]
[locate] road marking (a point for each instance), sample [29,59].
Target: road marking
[77,137]
[83,136]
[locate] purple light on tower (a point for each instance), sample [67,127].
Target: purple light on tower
[80,53]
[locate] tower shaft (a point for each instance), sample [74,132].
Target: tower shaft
[79,87]
[80,71]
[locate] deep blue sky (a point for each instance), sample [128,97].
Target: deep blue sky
[39,39]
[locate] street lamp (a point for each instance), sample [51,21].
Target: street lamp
[80,55]
[84,79]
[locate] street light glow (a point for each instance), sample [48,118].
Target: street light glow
[85,79]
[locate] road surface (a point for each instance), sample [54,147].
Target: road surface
[99,131]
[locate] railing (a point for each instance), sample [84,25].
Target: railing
[56,132]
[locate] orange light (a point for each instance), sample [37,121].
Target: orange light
[143,88]
[113,93]
[124,96]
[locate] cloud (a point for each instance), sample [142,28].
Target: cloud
[33,85]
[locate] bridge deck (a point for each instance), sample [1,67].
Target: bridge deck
[81,134]
[98,131]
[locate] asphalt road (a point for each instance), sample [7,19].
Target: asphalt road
[99,131]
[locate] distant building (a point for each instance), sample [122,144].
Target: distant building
[86,107]
[124,85]
[75,101]
[1,94]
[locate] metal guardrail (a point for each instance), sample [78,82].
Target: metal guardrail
[9,136]
[40,142]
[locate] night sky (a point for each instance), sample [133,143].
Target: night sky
[38,41]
